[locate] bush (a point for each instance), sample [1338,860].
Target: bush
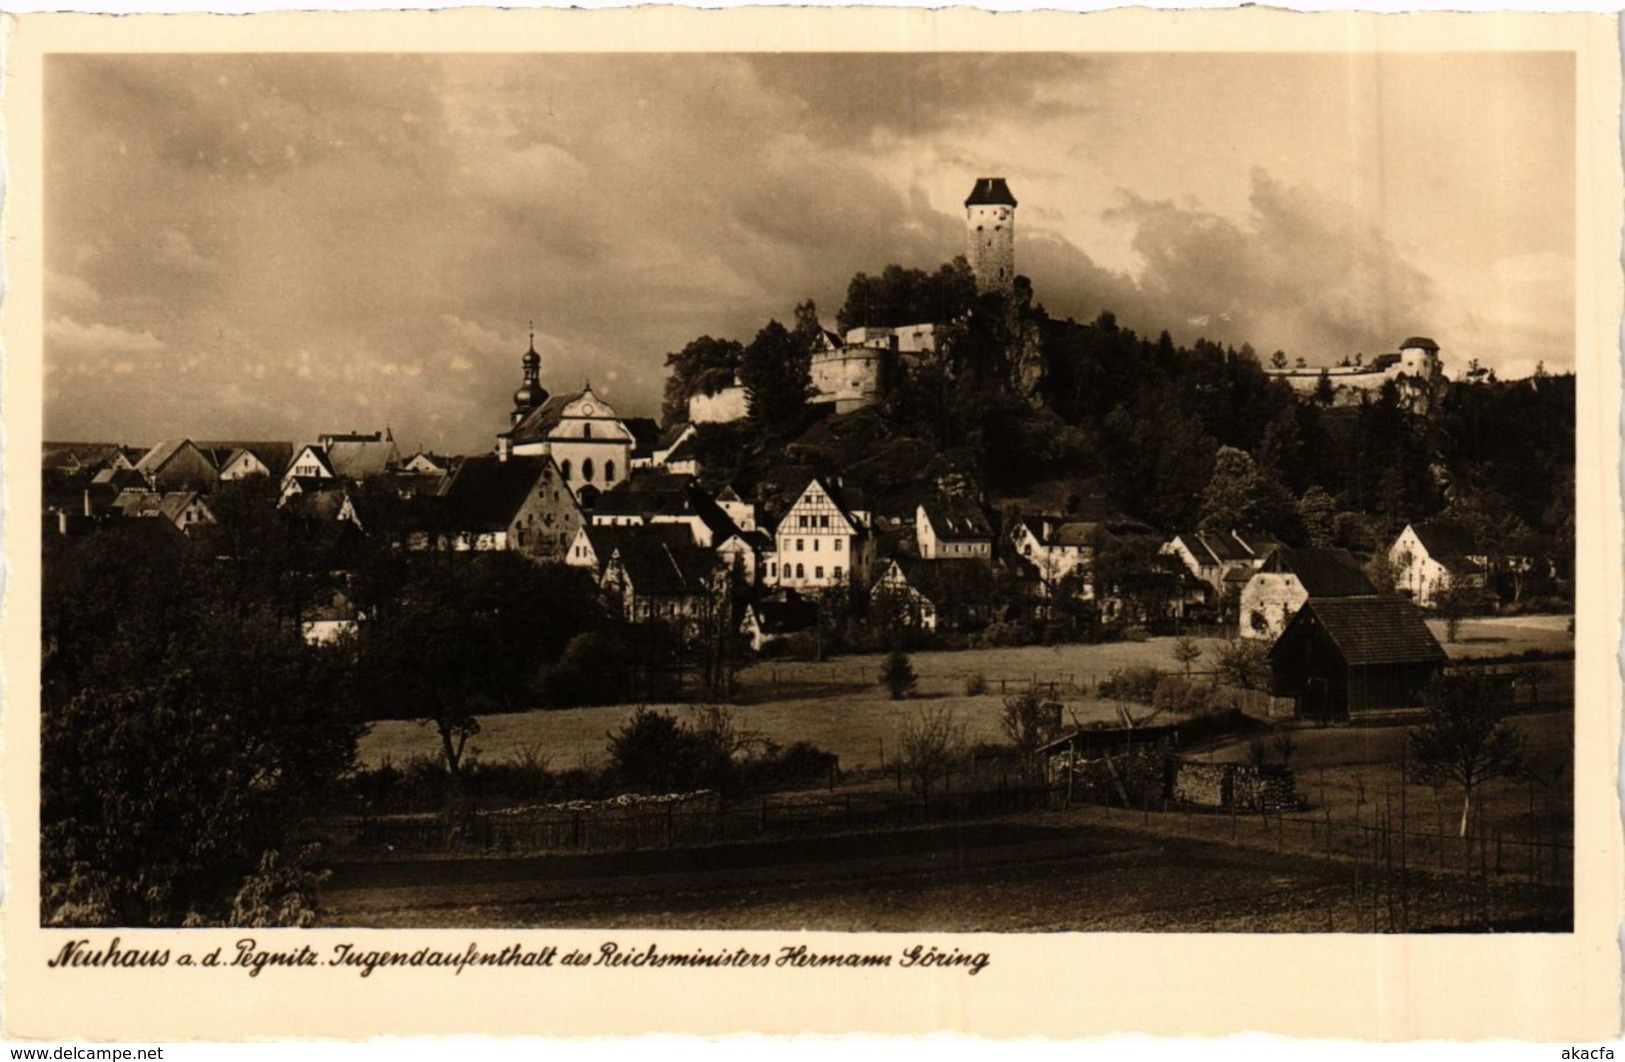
[975,684]
[931,743]
[1137,684]
[593,669]
[1174,693]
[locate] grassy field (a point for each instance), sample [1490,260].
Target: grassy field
[840,706]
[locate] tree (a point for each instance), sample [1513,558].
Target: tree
[1235,497]
[1454,601]
[929,746]
[775,372]
[1186,652]
[1278,360]
[1242,662]
[705,366]
[1465,738]
[1325,390]
[1027,724]
[1317,510]
[897,674]
[184,747]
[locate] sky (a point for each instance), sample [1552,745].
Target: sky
[275,246]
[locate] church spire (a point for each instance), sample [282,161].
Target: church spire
[531,393]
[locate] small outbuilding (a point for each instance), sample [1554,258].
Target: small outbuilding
[1340,658]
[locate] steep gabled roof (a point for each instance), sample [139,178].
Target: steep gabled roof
[320,457]
[957,518]
[276,456]
[173,504]
[654,569]
[159,455]
[606,539]
[1323,572]
[1444,539]
[487,492]
[1379,629]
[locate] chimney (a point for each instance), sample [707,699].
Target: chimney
[90,510]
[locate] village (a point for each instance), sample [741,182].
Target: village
[930,653]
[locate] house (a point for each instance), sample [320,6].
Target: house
[240,460]
[946,595]
[491,503]
[1155,594]
[662,497]
[594,544]
[646,436]
[424,463]
[683,458]
[82,459]
[824,540]
[772,620]
[1432,556]
[178,465]
[952,529]
[360,457]
[183,508]
[740,511]
[747,554]
[656,582]
[1341,657]
[329,503]
[1288,578]
[1215,556]
[1054,548]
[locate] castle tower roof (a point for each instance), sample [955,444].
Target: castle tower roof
[990,191]
[1420,343]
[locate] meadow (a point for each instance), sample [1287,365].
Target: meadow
[840,706]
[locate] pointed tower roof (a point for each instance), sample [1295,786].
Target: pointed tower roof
[990,191]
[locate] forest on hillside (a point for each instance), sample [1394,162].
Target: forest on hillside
[1020,405]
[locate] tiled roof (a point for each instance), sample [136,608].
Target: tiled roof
[1370,630]
[154,458]
[1443,539]
[957,518]
[1075,533]
[1323,572]
[657,570]
[607,539]
[487,491]
[276,456]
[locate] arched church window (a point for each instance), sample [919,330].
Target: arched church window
[609,471]
[564,470]
[586,431]
[586,470]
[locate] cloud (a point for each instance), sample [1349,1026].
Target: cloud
[71,338]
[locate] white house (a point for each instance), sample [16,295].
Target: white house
[1057,548]
[824,540]
[583,435]
[952,529]
[1288,579]
[1429,557]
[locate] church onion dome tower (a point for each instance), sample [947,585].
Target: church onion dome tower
[531,393]
[990,234]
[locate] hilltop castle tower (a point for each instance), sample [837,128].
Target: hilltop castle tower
[990,233]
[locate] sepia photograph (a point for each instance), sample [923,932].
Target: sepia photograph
[866,492]
[815,508]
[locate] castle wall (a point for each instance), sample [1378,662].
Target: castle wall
[724,407]
[850,378]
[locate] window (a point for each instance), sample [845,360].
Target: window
[837,573]
[801,545]
[818,572]
[586,432]
[586,470]
[801,572]
[836,546]
[609,471]
[823,521]
[773,571]
[564,470]
[815,545]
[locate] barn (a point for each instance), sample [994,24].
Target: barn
[1341,658]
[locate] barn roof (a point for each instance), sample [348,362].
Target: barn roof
[957,518]
[1442,539]
[486,492]
[1368,630]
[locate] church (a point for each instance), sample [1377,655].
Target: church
[581,432]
